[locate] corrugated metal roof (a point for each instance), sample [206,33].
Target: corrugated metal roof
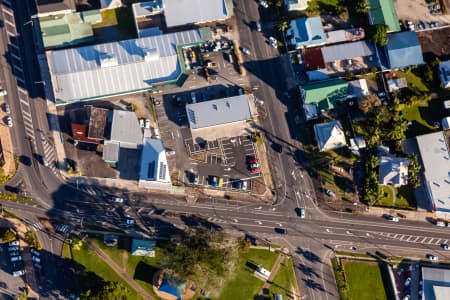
[181,12]
[347,51]
[147,8]
[330,135]
[325,94]
[393,170]
[404,50]
[218,112]
[135,64]
[154,165]
[46,6]
[125,129]
[383,12]
[306,32]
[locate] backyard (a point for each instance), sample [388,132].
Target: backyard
[367,280]
[403,197]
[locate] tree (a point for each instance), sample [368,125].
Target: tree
[413,171]
[378,34]
[111,290]
[428,73]
[367,103]
[361,6]
[398,130]
[283,26]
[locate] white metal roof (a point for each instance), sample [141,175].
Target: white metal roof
[330,135]
[436,163]
[218,112]
[118,67]
[181,12]
[393,170]
[154,165]
[125,129]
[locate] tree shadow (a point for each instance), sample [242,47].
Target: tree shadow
[195,221]
[144,272]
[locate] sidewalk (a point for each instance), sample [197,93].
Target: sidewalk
[419,215]
[143,293]
[269,280]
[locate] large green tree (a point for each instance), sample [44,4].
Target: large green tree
[378,34]
[413,170]
[111,290]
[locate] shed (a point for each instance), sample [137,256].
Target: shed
[347,51]
[182,12]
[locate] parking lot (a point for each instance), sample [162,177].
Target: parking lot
[422,12]
[9,284]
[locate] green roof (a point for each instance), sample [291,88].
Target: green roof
[68,29]
[325,94]
[383,12]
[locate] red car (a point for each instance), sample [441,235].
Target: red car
[253,165]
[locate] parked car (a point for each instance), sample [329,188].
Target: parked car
[13,243]
[193,97]
[445,247]
[6,107]
[432,257]
[130,221]
[244,185]
[147,123]
[253,165]
[281,230]
[14,253]
[142,123]
[220,183]
[9,121]
[156,101]
[408,281]
[3,93]
[170,152]
[302,213]
[213,181]
[35,252]
[273,42]
[16,258]
[13,248]
[245,51]
[258,26]
[263,3]
[36,259]
[18,273]
[329,193]
[38,266]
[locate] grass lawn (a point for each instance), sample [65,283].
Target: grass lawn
[284,282]
[405,197]
[91,268]
[141,269]
[245,285]
[386,196]
[415,83]
[367,280]
[423,116]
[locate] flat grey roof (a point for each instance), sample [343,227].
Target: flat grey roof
[47,6]
[436,163]
[181,12]
[125,129]
[436,283]
[118,67]
[347,51]
[217,112]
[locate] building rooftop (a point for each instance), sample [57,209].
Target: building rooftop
[182,12]
[345,35]
[293,5]
[393,170]
[404,50]
[97,122]
[383,12]
[306,32]
[324,95]
[330,135]
[444,73]
[436,283]
[154,165]
[49,6]
[313,58]
[347,51]
[435,156]
[142,9]
[112,68]
[111,151]
[141,247]
[218,112]
[125,129]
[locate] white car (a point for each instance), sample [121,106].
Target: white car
[16,258]
[147,123]
[432,257]
[244,185]
[36,259]
[13,243]
[9,121]
[193,97]
[6,107]
[18,273]
[35,252]
[3,93]
[245,51]
[141,123]
[263,3]
[258,27]
[170,152]
[273,42]
[408,281]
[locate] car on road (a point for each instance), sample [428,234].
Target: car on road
[258,26]
[245,51]
[6,108]
[9,121]
[432,257]
[263,3]
[253,165]
[408,281]
[3,93]
[18,273]
[281,230]
[391,218]
[445,246]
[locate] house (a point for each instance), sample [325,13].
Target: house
[330,135]
[357,89]
[323,96]
[435,283]
[393,171]
[296,5]
[345,35]
[226,117]
[383,12]
[141,247]
[306,32]
[187,12]
[46,7]
[435,157]
[91,126]
[125,133]
[65,29]
[154,172]
[403,50]
[144,13]
[349,56]
[396,84]
[444,73]
[98,71]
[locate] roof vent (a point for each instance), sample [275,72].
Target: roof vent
[228,104]
[108,60]
[215,106]
[151,54]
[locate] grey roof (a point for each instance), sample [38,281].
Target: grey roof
[125,129]
[403,50]
[48,6]
[393,170]
[436,283]
[118,67]
[111,151]
[218,112]
[436,166]
[330,135]
[147,8]
[181,12]
[154,165]
[347,51]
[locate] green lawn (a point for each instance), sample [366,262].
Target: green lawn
[141,269]
[367,280]
[386,196]
[284,282]
[423,116]
[415,83]
[245,285]
[91,270]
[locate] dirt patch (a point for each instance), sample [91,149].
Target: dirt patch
[6,145]
[420,9]
[435,43]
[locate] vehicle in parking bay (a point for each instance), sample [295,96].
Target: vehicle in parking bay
[6,107]
[408,281]
[13,248]
[273,42]
[445,246]
[193,97]
[432,257]
[13,243]
[263,3]
[9,121]
[220,183]
[38,266]
[18,273]
[36,259]
[213,181]
[16,258]
[253,165]
[3,93]
[35,252]
[258,26]
[14,253]
[245,51]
